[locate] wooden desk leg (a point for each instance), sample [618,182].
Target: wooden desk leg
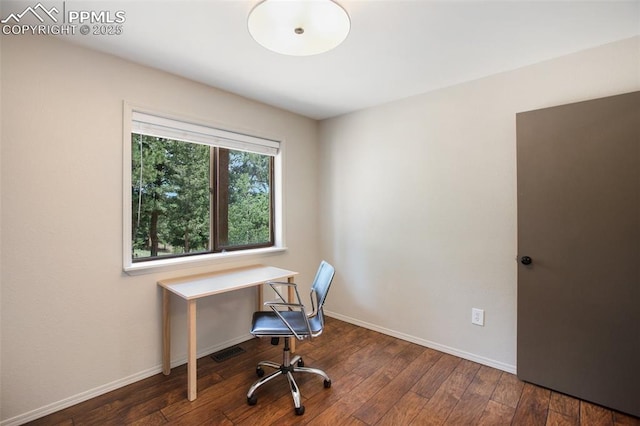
[292,299]
[166,333]
[192,377]
[259,303]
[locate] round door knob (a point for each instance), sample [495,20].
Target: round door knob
[526,260]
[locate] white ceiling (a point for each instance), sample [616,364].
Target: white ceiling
[395,49]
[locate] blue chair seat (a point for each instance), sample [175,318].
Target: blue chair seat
[268,323]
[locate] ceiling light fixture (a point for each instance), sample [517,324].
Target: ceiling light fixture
[299,27]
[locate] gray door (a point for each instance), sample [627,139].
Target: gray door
[579,232]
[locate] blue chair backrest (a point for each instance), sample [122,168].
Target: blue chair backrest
[322,282]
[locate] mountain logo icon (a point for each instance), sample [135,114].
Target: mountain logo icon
[38,11]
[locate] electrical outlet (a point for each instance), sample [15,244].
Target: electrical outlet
[477,316]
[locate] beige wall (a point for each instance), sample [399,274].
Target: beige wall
[72,323]
[420,199]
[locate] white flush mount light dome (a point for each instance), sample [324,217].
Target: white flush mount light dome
[299,27]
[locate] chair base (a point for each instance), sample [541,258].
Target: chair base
[287,368]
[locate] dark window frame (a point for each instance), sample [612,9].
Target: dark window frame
[220,209]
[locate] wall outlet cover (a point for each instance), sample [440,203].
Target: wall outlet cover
[477,316]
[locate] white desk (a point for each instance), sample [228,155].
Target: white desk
[191,288]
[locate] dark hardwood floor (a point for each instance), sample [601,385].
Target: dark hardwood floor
[377,380]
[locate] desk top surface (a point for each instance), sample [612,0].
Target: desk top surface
[202,285]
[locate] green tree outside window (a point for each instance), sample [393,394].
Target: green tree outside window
[190,198]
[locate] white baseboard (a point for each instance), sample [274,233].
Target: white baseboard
[101,390]
[427,343]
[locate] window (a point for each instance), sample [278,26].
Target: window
[196,190]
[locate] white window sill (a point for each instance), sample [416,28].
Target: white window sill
[175,263]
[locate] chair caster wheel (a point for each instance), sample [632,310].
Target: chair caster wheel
[259,372]
[327,384]
[252,400]
[300,363]
[300,410]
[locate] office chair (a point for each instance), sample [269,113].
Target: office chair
[289,320]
